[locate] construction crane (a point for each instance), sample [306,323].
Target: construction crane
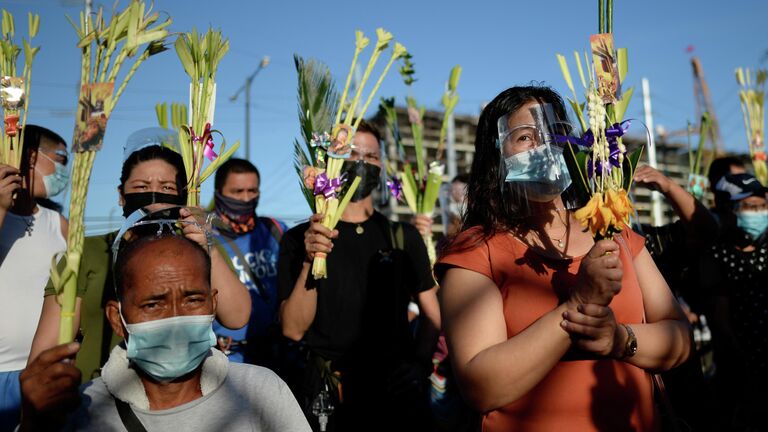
[704,103]
[703,100]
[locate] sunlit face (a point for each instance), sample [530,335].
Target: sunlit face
[155,175]
[165,279]
[366,148]
[522,135]
[241,186]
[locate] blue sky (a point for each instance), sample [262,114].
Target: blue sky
[498,44]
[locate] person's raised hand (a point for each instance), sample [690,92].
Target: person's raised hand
[192,228]
[652,179]
[317,238]
[599,277]
[423,223]
[49,388]
[10,182]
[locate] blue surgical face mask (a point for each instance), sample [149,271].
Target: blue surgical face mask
[56,182]
[170,348]
[753,223]
[543,171]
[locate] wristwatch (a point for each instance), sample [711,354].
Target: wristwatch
[630,348]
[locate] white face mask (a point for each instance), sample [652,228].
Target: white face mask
[57,181]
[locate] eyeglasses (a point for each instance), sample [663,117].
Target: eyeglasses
[143,223]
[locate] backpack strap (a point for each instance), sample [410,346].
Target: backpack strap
[128,417]
[274,227]
[261,289]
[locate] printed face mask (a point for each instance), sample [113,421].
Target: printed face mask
[170,348]
[239,215]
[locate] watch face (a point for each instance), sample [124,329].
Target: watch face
[631,347]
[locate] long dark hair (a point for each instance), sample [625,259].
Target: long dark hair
[156,152]
[491,207]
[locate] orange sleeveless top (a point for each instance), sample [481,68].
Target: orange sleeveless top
[576,395]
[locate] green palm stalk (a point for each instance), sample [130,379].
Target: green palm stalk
[200,55]
[328,163]
[449,101]
[752,99]
[11,142]
[178,115]
[122,36]
[420,190]
[318,100]
[697,180]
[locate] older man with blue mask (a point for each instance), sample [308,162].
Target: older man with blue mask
[166,376]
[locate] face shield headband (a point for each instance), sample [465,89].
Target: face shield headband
[143,223]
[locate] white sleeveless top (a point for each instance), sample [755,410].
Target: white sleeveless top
[27,244]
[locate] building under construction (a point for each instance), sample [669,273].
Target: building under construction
[672,160]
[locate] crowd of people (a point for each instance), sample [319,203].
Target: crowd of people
[211,320]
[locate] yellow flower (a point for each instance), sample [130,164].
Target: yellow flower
[619,204]
[597,216]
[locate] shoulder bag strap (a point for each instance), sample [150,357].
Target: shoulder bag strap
[262,290]
[128,417]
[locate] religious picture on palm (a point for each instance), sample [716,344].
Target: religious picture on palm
[91,121]
[606,67]
[11,93]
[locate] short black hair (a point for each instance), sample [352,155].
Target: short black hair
[33,135]
[720,167]
[462,178]
[234,165]
[364,126]
[133,248]
[156,152]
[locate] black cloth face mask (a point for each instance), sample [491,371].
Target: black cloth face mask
[135,201]
[370,177]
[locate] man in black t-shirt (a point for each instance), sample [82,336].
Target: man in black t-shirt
[354,323]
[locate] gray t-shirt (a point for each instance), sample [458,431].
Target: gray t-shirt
[251,398]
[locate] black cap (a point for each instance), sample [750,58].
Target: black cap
[740,186]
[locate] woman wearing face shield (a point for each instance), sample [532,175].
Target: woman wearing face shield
[152,177]
[549,330]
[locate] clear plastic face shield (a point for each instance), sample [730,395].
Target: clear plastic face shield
[145,223]
[151,136]
[534,173]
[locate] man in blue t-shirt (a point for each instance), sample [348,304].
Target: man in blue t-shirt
[252,245]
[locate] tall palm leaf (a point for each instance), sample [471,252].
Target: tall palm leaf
[318,101]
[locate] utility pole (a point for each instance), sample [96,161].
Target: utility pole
[655,196]
[246,87]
